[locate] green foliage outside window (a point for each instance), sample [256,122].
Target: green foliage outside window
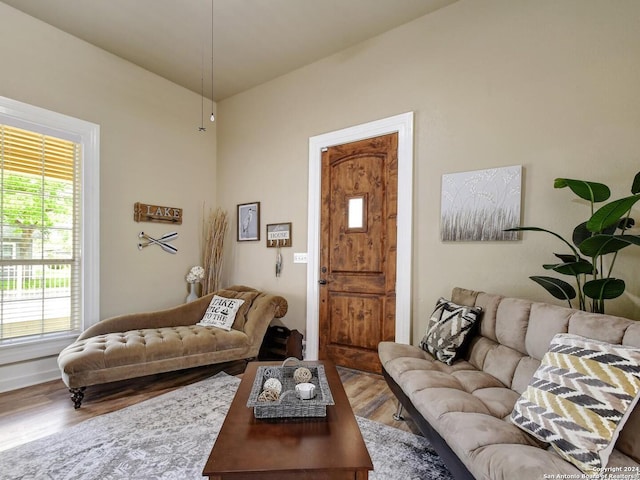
[31,204]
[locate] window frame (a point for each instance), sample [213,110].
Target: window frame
[27,116]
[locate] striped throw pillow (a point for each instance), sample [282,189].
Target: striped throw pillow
[448,330]
[580,397]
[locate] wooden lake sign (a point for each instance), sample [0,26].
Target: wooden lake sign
[156,213]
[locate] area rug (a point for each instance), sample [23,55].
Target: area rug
[170,437]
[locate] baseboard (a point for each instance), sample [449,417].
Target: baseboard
[26,374]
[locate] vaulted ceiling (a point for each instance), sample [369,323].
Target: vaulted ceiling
[254,41]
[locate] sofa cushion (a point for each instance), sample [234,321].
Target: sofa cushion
[545,322]
[527,366]
[146,345]
[433,403]
[489,304]
[449,327]
[391,351]
[499,400]
[439,393]
[502,362]
[580,397]
[507,461]
[512,319]
[487,430]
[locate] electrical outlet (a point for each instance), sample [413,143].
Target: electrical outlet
[300,257]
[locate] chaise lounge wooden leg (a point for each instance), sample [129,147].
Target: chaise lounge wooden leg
[77,394]
[398,415]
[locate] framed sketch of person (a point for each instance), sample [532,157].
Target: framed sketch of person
[249,221]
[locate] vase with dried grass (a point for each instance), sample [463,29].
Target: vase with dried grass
[214,230]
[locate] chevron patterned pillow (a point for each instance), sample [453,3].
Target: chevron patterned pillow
[448,329]
[580,397]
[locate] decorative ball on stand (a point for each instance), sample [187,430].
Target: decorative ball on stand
[273,384]
[302,375]
[273,372]
[268,396]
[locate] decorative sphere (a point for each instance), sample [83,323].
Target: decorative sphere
[272,372]
[302,375]
[273,384]
[268,396]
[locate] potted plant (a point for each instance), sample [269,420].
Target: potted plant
[601,235]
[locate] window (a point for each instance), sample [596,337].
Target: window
[356,213]
[40,226]
[48,254]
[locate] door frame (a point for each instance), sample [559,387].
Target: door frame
[403,125]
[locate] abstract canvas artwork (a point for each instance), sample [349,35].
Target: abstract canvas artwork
[479,205]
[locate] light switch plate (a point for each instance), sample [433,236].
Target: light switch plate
[300,257]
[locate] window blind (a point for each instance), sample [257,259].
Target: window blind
[40,235]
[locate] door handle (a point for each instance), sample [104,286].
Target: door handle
[322,282]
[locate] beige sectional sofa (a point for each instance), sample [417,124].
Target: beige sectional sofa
[140,344]
[464,409]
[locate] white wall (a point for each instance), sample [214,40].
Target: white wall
[151,152]
[548,85]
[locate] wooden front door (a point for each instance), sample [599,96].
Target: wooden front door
[358,251]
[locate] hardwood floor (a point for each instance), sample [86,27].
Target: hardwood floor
[34,412]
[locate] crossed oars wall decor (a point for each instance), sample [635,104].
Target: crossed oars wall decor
[162,242]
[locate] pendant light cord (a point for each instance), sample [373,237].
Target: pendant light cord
[201,128]
[212,115]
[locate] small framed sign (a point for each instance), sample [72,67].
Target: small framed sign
[279,235]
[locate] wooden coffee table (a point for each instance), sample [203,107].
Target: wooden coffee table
[330,447]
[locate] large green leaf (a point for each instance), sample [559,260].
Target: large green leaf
[626,223]
[592,191]
[580,234]
[635,186]
[604,244]
[566,258]
[556,287]
[527,229]
[538,229]
[604,288]
[611,213]
[634,239]
[571,268]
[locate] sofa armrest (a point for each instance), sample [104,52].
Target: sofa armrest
[265,308]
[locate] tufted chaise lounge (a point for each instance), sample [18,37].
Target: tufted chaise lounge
[135,345]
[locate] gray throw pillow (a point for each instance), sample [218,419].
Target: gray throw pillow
[449,328]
